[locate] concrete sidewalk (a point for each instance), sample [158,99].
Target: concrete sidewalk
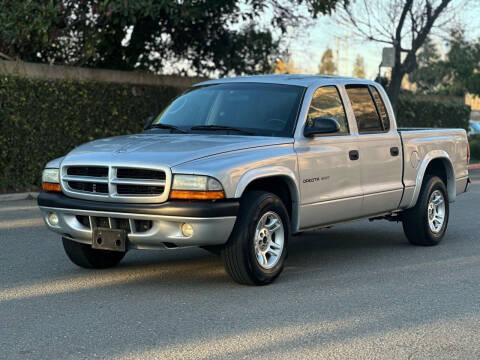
[19,196]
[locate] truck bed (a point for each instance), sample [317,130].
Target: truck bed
[420,144]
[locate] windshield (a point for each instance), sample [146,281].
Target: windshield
[249,108]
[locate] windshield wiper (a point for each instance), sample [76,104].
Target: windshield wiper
[168,126]
[221,127]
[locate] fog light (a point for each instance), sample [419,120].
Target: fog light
[53,219]
[187,230]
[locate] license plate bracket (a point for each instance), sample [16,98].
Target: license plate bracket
[109,239]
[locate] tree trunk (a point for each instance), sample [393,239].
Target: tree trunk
[393,90]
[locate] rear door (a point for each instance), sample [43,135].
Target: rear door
[329,180]
[380,151]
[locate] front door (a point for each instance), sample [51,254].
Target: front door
[329,175]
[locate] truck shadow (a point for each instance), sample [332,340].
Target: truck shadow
[331,249]
[348,244]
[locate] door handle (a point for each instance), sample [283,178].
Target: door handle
[353,154]
[394,151]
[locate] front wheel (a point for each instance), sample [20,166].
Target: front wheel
[425,224]
[84,256]
[256,250]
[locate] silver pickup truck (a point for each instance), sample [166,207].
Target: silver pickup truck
[236,166]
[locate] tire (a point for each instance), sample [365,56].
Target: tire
[416,224]
[84,256]
[259,211]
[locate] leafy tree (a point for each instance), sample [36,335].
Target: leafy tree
[327,65]
[430,71]
[283,66]
[359,67]
[29,28]
[203,36]
[457,74]
[463,64]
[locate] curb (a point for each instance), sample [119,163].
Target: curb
[474,167]
[19,196]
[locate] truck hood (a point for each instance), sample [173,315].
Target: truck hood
[163,149]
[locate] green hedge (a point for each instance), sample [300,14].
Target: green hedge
[42,119]
[413,112]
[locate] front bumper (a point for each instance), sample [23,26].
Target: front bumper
[212,222]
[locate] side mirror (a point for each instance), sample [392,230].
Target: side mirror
[148,123]
[321,125]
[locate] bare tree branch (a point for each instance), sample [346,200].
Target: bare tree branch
[398,31]
[394,22]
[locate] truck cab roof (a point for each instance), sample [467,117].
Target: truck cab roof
[290,79]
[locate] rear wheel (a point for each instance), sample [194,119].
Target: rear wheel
[257,248]
[425,224]
[84,256]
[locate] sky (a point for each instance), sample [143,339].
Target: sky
[306,46]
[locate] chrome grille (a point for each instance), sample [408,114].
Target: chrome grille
[94,171]
[125,189]
[129,173]
[116,183]
[92,187]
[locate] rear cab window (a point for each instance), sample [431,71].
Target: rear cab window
[369,110]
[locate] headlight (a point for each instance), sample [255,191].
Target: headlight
[51,180]
[196,182]
[51,176]
[197,187]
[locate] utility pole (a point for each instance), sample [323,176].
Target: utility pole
[341,51]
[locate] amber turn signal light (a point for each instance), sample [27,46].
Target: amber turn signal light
[196,195]
[51,187]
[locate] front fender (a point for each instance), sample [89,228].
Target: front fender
[273,171]
[263,172]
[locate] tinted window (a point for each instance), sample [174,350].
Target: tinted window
[326,102]
[364,109]
[381,108]
[263,109]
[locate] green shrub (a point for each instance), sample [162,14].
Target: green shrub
[43,119]
[413,112]
[474,142]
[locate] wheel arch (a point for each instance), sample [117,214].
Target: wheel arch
[278,180]
[436,162]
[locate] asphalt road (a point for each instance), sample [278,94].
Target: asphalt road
[352,291]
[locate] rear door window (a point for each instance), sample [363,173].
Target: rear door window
[364,108]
